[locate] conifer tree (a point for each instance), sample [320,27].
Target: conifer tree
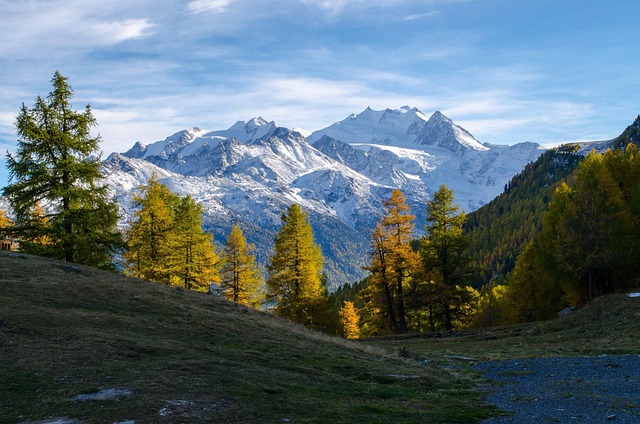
[443,254]
[166,241]
[192,255]
[393,260]
[349,320]
[240,279]
[56,165]
[295,270]
[5,227]
[149,235]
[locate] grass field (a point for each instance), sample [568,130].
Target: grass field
[179,356]
[608,325]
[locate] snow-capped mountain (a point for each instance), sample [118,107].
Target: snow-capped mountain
[251,172]
[405,149]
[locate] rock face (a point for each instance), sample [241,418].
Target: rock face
[251,172]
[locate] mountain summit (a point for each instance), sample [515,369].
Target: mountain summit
[252,171]
[405,127]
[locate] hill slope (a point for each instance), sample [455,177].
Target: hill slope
[500,229]
[169,355]
[606,326]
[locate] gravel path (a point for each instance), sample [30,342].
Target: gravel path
[601,389]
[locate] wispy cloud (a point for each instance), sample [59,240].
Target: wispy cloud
[214,6]
[420,16]
[115,32]
[151,68]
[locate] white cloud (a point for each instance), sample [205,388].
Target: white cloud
[115,32]
[420,16]
[215,6]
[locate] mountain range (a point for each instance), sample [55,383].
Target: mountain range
[252,171]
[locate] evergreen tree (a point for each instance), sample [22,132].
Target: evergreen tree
[443,255]
[349,321]
[240,279]
[192,253]
[295,271]
[57,165]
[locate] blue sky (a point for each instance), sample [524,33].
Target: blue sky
[508,71]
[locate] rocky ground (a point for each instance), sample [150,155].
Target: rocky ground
[598,389]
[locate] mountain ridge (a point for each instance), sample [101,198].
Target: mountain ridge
[252,171]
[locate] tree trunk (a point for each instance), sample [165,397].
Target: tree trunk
[402,322]
[447,318]
[389,298]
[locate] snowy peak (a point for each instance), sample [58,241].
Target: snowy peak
[405,127]
[441,131]
[247,132]
[166,147]
[391,127]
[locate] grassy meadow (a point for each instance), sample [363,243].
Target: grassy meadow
[607,326]
[180,356]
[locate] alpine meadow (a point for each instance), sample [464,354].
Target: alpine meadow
[370,271]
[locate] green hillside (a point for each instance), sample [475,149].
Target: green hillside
[499,230]
[606,326]
[170,355]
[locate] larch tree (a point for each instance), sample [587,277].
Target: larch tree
[443,254]
[56,165]
[393,260]
[588,245]
[192,254]
[166,241]
[295,271]
[150,233]
[5,227]
[240,278]
[349,320]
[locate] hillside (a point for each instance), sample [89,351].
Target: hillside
[499,230]
[168,355]
[606,326]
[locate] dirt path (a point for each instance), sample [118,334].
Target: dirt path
[601,389]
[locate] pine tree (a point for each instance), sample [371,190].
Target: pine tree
[443,254]
[192,255]
[150,234]
[295,270]
[240,279]
[57,165]
[349,321]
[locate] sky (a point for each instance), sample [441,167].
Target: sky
[508,71]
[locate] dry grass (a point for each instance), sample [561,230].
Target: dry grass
[189,357]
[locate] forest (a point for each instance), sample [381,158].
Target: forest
[564,231]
